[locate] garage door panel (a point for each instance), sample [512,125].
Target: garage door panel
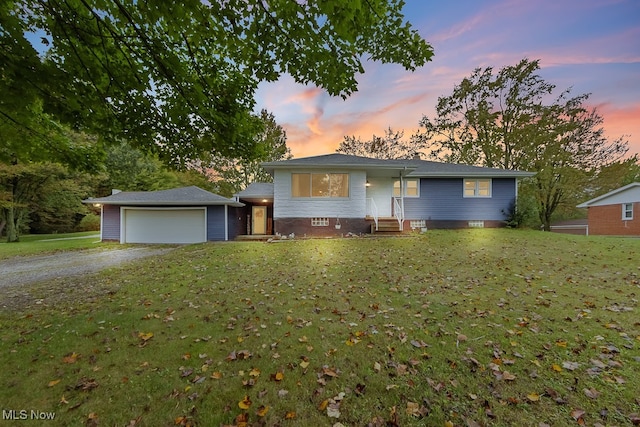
[164,226]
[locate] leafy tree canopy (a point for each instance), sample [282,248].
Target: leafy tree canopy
[180,77]
[231,175]
[390,146]
[513,119]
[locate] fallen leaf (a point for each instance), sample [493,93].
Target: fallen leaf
[304,364]
[333,409]
[577,414]
[145,336]
[242,420]
[508,376]
[556,367]
[323,405]
[52,383]
[571,366]
[245,403]
[533,397]
[290,415]
[591,393]
[71,358]
[413,409]
[262,411]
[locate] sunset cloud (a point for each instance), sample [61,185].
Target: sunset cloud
[588,45]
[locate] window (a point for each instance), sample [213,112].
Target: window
[396,188]
[476,224]
[319,222]
[411,188]
[320,185]
[627,211]
[477,188]
[418,223]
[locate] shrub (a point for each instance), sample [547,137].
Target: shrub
[90,222]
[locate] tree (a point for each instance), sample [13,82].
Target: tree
[57,207]
[129,169]
[390,146]
[231,175]
[41,139]
[20,185]
[614,175]
[512,120]
[179,78]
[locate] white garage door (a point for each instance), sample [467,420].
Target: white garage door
[163,226]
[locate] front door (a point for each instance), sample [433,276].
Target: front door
[380,190]
[259,220]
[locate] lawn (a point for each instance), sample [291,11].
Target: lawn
[46,243]
[449,328]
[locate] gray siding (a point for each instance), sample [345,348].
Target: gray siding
[442,199]
[110,222]
[215,223]
[354,206]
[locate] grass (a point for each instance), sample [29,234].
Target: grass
[46,243]
[462,328]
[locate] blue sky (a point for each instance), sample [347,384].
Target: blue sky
[592,46]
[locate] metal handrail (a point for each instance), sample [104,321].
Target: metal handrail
[398,210]
[373,209]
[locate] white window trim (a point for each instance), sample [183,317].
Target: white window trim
[476,195]
[625,211]
[404,190]
[417,180]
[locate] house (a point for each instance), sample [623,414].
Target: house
[615,213]
[336,194]
[180,215]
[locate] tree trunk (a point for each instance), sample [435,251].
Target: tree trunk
[12,230]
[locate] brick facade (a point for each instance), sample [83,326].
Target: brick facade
[607,220]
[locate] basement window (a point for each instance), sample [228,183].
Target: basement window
[420,223]
[476,224]
[319,222]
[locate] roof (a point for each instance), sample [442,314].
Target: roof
[413,167]
[257,190]
[628,194]
[184,196]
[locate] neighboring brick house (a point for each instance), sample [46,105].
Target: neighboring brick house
[615,213]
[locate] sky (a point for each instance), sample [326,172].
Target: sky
[591,46]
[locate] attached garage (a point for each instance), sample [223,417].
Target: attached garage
[178,216]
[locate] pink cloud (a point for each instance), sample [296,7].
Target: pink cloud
[622,122]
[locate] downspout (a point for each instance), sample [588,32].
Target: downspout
[101,222]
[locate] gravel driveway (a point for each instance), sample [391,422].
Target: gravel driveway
[30,269]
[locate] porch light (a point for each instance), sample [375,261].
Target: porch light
[97,205]
[368,184]
[264,200]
